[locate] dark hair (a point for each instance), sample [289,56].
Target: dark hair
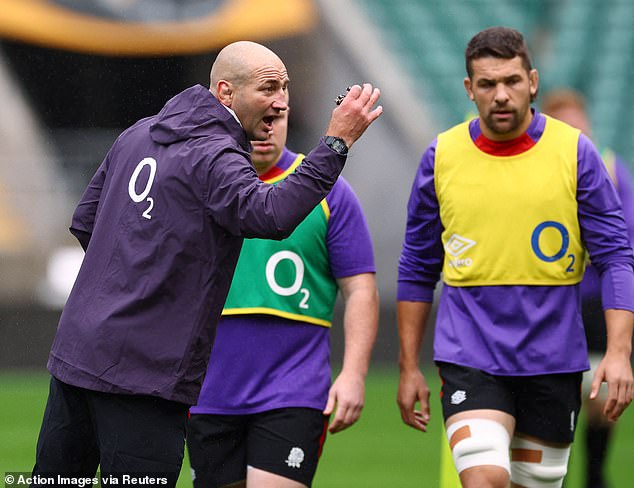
[497,42]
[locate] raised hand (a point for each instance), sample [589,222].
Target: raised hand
[356,112]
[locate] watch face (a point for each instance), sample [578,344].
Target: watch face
[337,144]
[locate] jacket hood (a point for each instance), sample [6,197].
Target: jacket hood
[191,114]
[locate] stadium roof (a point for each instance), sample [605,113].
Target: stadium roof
[151,27]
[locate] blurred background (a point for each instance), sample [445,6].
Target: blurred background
[75,73]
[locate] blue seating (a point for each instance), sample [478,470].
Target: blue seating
[574,43]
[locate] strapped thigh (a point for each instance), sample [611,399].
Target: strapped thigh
[537,465]
[479,442]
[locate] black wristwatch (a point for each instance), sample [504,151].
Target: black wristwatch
[337,144]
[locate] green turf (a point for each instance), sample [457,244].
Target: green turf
[378,452]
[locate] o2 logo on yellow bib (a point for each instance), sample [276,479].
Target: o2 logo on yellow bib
[565,243]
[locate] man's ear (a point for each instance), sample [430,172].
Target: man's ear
[533,82]
[225,92]
[467,87]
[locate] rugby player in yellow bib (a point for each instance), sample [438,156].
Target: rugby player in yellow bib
[505,207]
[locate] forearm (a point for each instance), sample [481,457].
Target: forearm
[361,319]
[412,321]
[314,179]
[246,207]
[619,325]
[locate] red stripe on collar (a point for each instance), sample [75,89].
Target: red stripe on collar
[505,148]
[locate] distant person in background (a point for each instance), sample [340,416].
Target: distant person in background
[262,414]
[505,206]
[162,223]
[570,107]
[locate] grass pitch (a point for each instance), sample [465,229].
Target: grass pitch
[378,452]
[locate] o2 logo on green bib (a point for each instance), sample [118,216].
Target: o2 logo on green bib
[286,291]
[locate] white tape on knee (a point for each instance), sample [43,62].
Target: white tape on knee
[480,442]
[534,464]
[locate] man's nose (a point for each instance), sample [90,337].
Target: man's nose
[501,95]
[279,102]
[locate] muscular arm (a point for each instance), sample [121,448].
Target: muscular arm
[412,320]
[361,317]
[419,270]
[606,236]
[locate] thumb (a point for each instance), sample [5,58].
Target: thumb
[330,405]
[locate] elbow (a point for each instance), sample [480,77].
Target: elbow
[279,234]
[284,227]
[82,236]
[273,232]
[284,232]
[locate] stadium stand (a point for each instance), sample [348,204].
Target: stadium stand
[32,196]
[574,43]
[593,51]
[72,75]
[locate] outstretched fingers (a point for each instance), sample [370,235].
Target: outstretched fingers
[374,114]
[366,95]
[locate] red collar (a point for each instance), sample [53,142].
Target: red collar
[505,148]
[271,173]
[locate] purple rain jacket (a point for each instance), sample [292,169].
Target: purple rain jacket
[162,223]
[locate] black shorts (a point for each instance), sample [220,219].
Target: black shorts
[544,406]
[123,434]
[594,324]
[286,442]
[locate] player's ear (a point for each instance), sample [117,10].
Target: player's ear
[533,82]
[467,87]
[225,91]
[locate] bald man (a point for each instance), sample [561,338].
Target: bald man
[162,223]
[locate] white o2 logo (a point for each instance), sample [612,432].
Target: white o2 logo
[286,291]
[139,197]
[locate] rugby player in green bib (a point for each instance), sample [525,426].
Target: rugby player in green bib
[262,416]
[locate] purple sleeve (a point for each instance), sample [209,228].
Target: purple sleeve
[348,238]
[245,206]
[603,229]
[625,189]
[84,216]
[422,255]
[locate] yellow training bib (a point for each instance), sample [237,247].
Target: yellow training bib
[510,220]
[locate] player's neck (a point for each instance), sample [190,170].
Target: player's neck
[510,147]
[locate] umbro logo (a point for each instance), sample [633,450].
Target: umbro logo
[456,245]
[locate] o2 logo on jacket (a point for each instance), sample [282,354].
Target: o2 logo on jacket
[565,243]
[139,197]
[287,291]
